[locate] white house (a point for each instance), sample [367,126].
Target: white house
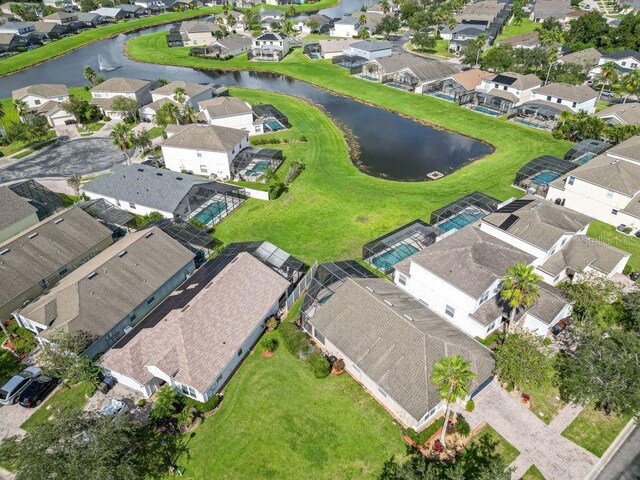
[576,97]
[270,46]
[37,95]
[512,87]
[228,112]
[621,114]
[606,188]
[112,292]
[625,60]
[389,343]
[197,32]
[312,23]
[196,348]
[204,149]
[228,47]
[104,94]
[193,92]
[348,26]
[334,47]
[369,49]
[149,112]
[18,28]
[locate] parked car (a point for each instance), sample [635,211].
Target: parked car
[15,386]
[608,93]
[621,228]
[37,391]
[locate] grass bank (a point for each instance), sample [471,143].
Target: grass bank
[594,431]
[610,236]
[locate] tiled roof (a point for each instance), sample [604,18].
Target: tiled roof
[121,85]
[206,137]
[44,90]
[582,252]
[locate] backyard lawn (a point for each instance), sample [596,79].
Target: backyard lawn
[533,474]
[64,398]
[595,431]
[611,236]
[511,30]
[507,451]
[544,402]
[441,50]
[278,421]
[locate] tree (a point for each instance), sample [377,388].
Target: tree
[523,361]
[33,128]
[123,139]
[589,30]
[608,75]
[386,8]
[576,127]
[519,289]
[626,35]
[89,74]
[61,357]
[164,405]
[21,107]
[595,299]
[388,25]
[631,82]
[615,134]
[188,114]
[150,217]
[631,305]
[168,113]
[451,376]
[471,53]
[88,5]
[79,445]
[2,114]
[424,41]
[127,106]
[180,95]
[78,108]
[603,368]
[161,81]
[75,182]
[499,58]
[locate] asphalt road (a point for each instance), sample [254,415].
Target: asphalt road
[625,464]
[64,159]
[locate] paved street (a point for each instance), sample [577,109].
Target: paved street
[625,464]
[540,444]
[81,157]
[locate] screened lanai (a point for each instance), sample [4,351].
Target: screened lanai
[463,211]
[536,175]
[44,200]
[538,113]
[385,252]
[251,163]
[107,213]
[210,203]
[585,150]
[190,236]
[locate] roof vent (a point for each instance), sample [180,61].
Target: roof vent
[407,317]
[141,169]
[3,251]
[148,234]
[58,220]
[92,275]
[122,253]
[178,178]
[33,235]
[388,303]
[159,174]
[370,289]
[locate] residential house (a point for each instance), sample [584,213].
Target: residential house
[605,188]
[269,18]
[112,14]
[104,94]
[61,18]
[228,112]
[228,47]
[462,34]
[270,46]
[527,41]
[107,296]
[52,31]
[149,112]
[196,32]
[454,86]
[371,20]
[333,48]
[22,29]
[193,92]
[39,94]
[150,4]
[315,23]
[625,61]
[369,49]
[389,342]
[55,114]
[204,149]
[348,26]
[16,215]
[10,42]
[621,114]
[379,8]
[576,97]
[506,90]
[587,58]
[135,11]
[36,258]
[143,189]
[235,21]
[195,342]
[544,9]
[90,20]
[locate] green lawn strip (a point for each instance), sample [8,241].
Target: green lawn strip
[441,50]
[512,30]
[507,451]
[305,7]
[544,401]
[594,431]
[23,154]
[533,474]
[9,364]
[610,236]
[253,185]
[156,132]
[64,45]
[92,127]
[278,421]
[64,398]
[68,200]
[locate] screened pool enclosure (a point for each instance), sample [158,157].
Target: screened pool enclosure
[535,176]
[585,150]
[463,211]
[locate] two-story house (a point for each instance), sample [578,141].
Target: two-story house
[228,112]
[462,34]
[104,94]
[625,60]
[348,26]
[46,99]
[270,46]
[197,32]
[576,97]
[22,29]
[506,90]
[193,92]
[61,18]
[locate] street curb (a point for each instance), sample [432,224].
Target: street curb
[613,448]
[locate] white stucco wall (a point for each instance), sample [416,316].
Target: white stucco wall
[243,121]
[588,106]
[339,30]
[136,209]
[357,52]
[34,101]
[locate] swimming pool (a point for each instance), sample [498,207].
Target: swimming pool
[274,125]
[389,258]
[585,158]
[258,169]
[461,220]
[486,111]
[398,85]
[544,178]
[443,96]
[211,211]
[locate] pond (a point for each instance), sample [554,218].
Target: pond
[391,146]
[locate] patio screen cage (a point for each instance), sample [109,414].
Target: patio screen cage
[113,217]
[209,203]
[386,251]
[251,156]
[536,175]
[44,200]
[585,150]
[190,236]
[463,211]
[269,111]
[352,63]
[327,279]
[312,50]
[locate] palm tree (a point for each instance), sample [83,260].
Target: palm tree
[519,289]
[89,74]
[362,19]
[632,84]
[21,106]
[180,95]
[608,74]
[287,27]
[451,376]
[123,139]
[385,6]
[142,140]
[75,183]
[188,114]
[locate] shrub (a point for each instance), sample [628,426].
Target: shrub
[295,341]
[470,406]
[526,397]
[199,406]
[164,405]
[142,402]
[276,189]
[462,426]
[270,344]
[296,169]
[318,364]
[627,270]
[272,324]
[303,138]
[438,447]
[422,437]
[338,365]
[509,387]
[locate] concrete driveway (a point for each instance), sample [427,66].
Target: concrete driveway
[11,417]
[82,157]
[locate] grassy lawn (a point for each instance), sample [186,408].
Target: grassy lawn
[332,208]
[441,50]
[507,451]
[594,431]
[93,127]
[9,363]
[544,402]
[155,132]
[64,398]
[609,235]
[278,421]
[532,474]
[511,30]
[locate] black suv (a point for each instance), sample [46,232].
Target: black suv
[37,391]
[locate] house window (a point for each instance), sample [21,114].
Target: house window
[319,336]
[634,65]
[203,168]
[624,64]
[491,326]
[188,391]
[199,154]
[449,310]
[548,98]
[63,271]
[556,278]
[614,212]
[132,205]
[37,102]
[150,301]
[133,317]
[564,240]
[574,104]
[609,194]
[117,202]
[484,297]
[570,180]
[240,352]
[402,280]
[382,392]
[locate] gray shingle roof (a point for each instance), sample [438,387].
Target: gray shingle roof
[45,90]
[194,342]
[151,187]
[539,222]
[121,85]
[470,259]
[191,89]
[574,93]
[629,113]
[60,239]
[224,107]
[122,283]
[585,58]
[424,70]
[396,352]
[582,252]
[210,138]
[234,42]
[13,208]
[198,26]
[371,45]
